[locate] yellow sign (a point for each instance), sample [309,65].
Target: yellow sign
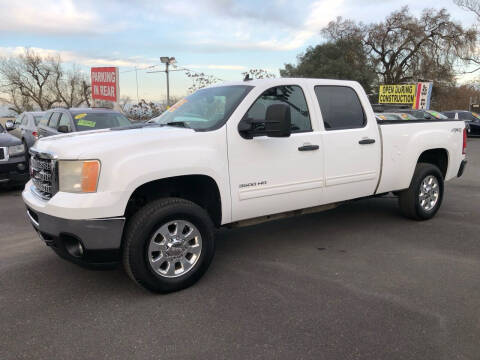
[397,94]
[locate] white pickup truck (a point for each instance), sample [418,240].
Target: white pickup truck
[151,195]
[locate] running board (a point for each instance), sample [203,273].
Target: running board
[263,219]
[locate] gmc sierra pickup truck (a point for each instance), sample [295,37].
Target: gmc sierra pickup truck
[151,195]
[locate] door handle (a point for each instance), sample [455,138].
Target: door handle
[366,141]
[308,148]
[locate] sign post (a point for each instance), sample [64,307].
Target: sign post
[105,84]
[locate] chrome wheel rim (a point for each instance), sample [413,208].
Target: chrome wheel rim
[174,248]
[429,193]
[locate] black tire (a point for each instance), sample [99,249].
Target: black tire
[409,201]
[141,228]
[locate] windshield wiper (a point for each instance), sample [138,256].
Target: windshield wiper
[177,123]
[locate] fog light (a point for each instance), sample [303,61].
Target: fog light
[21,166]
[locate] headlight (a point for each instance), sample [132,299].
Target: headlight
[78,176]
[16,150]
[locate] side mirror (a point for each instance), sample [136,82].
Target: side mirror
[9,125]
[278,122]
[62,129]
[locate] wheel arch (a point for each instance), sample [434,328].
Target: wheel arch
[438,157]
[202,190]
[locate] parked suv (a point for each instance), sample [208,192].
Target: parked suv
[472,120]
[57,121]
[13,164]
[26,127]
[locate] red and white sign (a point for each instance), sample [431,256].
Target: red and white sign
[105,83]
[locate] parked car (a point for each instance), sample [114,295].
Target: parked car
[423,114]
[229,155]
[13,162]
[395,116]
[60,120]
[26,127]
[471,118]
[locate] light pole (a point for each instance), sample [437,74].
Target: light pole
[167,61]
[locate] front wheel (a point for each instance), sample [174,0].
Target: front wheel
[168,245]
[423,198]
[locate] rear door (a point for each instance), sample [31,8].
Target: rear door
[351,140]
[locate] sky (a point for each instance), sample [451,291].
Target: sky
[217,37]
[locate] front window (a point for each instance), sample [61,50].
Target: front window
[98,120]
[205,109]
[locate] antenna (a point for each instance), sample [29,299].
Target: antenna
[247,77]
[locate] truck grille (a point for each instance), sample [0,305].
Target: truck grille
[43,172]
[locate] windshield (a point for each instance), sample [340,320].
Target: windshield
[206,109]
[437,115]
[99,120]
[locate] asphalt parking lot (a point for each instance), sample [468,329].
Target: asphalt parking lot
[357,282]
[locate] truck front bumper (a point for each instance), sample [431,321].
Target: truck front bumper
[91,241]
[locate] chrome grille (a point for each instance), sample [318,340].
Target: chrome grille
[44,174]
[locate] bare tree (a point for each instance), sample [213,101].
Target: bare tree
[471,5]
[71,87]
[29,81]
[404,48]
[200,80]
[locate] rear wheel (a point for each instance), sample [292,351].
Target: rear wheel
[168,245]
[423,198]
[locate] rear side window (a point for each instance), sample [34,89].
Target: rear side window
[44,119]
[340,107]
[289,95]
[99,120]
[465,116]
[54,120]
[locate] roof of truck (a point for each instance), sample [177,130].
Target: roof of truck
[283,81]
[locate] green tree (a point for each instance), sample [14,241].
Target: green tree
[343,59]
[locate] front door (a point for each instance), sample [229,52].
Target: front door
[274,175]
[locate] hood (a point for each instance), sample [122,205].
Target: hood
[92,144]
[8,140]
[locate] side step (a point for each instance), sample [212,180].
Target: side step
[263,219]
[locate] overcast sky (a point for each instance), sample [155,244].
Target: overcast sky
[218,37]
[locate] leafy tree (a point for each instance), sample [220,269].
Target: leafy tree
[343,59]
[404,48]
[258,74]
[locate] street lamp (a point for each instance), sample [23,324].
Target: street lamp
[167,61]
